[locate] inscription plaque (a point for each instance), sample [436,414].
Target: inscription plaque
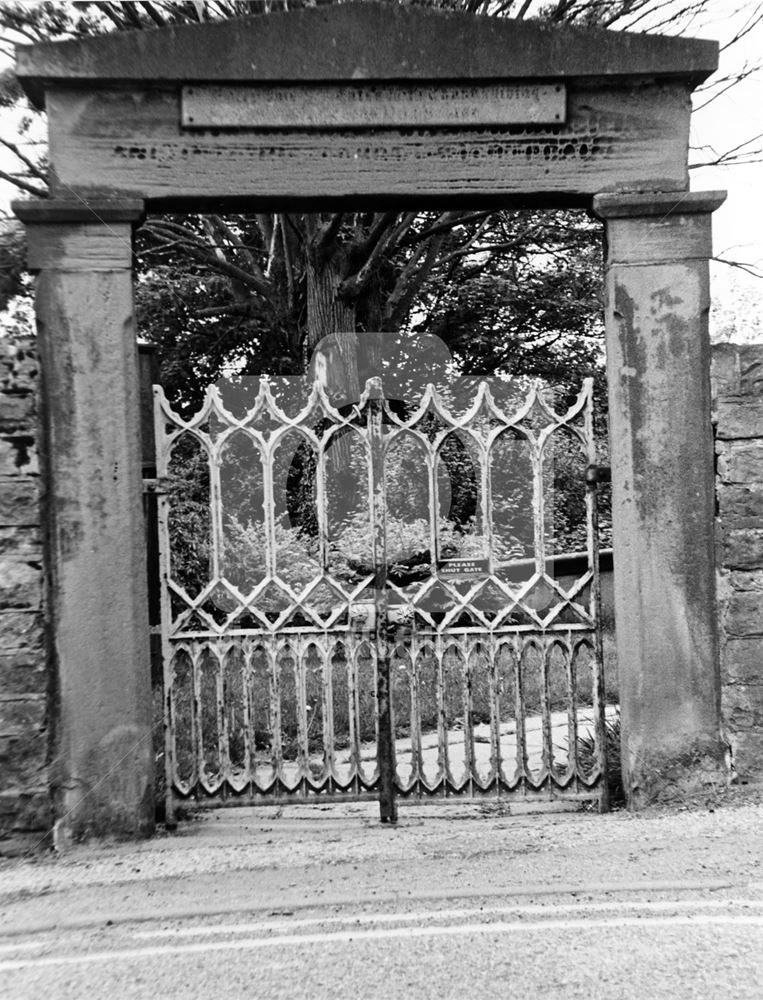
[376,104]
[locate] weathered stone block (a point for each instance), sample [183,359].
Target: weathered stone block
[742,548]
[22,715]
[19,502]
[748,755]
[18,411]
[741,506]
[739,417]
[19,364]
[724,369]
[740,461]
[23,760]
[30,809]
[21,630]
[24,543]
[18,455]
[742,706]
[742,660]
[743,614]
[751,369]
[23,673]
[20,584]
[745,580]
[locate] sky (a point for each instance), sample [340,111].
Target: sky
[726,122]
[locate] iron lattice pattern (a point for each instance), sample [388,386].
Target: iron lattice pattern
[299,543]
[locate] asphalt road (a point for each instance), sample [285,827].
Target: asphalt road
[621,947]
[324,903]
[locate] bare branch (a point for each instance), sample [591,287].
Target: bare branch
[754,269]
[440,227]
[24,185]
[753,20]
[237,309]
[737,154]
[29,164]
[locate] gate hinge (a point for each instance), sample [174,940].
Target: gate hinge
[595,474]
[156,486]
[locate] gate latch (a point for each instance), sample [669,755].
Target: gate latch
[595,474]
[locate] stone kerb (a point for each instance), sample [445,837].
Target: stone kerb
[737,378]
[25,810]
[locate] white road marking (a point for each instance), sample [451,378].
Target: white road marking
[649,906]
[379,934]
[20,946]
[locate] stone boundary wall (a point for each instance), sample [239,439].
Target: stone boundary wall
[25,809]
[737,383]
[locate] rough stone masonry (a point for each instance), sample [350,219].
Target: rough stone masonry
[25,809]
[737,378]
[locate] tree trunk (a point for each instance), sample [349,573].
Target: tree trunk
[328,315]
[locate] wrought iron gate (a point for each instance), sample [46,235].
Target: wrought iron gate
[379,618]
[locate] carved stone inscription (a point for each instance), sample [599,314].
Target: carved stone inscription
[377,105]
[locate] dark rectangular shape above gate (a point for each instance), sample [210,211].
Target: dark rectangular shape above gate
[379,105]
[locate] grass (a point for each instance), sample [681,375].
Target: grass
[587,758]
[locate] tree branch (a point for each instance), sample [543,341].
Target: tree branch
[29,164]
[24,185]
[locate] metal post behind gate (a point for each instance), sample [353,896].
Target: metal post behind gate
[378,492]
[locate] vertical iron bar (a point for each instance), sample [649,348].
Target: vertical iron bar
[537,455]
[519,711]
[268,507]
[547,752]
[572,712]
[273,653]
[442,734]
[353,707]
[223,736]
[487,503]
[197,714]
[321,505]
[599,703]
[298,647]
[495,714]
[386,740]
[417,755]
[247,691]
[165,610]
[329,769]
[468,701]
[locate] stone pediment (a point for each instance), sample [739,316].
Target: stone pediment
[359,41]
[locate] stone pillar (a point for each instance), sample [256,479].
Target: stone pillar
[658,364]
[101,773]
